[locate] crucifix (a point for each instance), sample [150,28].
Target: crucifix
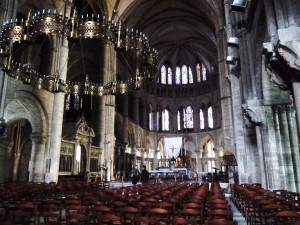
[173,160]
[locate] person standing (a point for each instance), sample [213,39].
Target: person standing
[135,175]
[145,175]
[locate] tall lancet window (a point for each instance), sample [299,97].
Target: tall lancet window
[198,71]
[201,119]
[150,121]
[178,75]
[184,74]
[76,101]
[157,121]
[191,80]
[165,120]
[210,117]
[203,72]
[169,75]
[188,118]
[163,75]
[178,120]
[68,101]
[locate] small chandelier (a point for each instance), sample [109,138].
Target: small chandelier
[75,28]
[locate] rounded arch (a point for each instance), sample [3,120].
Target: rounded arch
[27,106]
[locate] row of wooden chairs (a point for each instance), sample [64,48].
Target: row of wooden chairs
[261,206]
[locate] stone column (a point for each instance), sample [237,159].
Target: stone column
[142,156]
[125,119]
[88,155]
[136,119]
[57,116]
[261,157]
[296,90]
[108,118]
[36,164]
[294,145]
[279,152]
[287,157]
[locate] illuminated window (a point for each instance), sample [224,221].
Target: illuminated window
[184,76]
[68,101]
[163,75]
[188,117]
[157,121]
[191,80]
[165,120]
[203,72]
[201,119]
[169,75]
[76,101]
[178,120]
[210,117]
[198,71]
[150,121]
[178,76]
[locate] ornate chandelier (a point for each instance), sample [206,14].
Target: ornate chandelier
[74,28]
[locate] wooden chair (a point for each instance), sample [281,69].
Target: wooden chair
[220,222]
[144,220]
[283,217]
[128,213]
[183,221]
[48,218]
[191,214]
[162,214]
[110,219]
[99,211]
[77,218]
[220,214]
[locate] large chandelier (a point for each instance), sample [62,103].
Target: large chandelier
[74,28]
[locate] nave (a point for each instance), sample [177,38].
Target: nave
[155,203]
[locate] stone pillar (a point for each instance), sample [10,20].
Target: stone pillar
[294,145]
[261,157]
[16,164]
[296,90]
[107,136]
[279,151]
[36,164]
[88,155]
[57,117]
[142,156]
[137,120]
[125,119]
[287,157]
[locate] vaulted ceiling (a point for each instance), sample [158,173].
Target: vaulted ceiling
[181,31]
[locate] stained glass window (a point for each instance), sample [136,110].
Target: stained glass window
[76,101]
[163,75]
[169,75]
[177,75]
[203,72]
[68,101]
[191,80]
[210,117]
[157,121]
[188,117]
[165,120]
[150,121]
[178,120]
[198,71]
[184,74]
[201,119]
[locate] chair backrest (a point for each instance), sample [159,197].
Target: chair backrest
[144,220]
[110,218]
[183,221]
